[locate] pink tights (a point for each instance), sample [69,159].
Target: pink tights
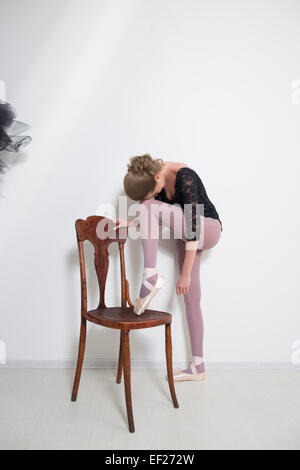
[154,213]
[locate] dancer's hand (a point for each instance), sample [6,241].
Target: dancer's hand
[182,286]
[123,223]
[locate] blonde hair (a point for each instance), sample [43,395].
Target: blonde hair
[139,180]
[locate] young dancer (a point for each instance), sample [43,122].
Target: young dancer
[196,225]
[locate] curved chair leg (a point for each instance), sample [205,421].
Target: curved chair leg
[169,364]
[81,350]
[127,384]
[120,365]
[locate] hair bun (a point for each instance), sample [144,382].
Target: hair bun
[145,165]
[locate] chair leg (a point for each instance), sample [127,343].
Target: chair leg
[81,350]
[169,364]
[127,384]
[120,365]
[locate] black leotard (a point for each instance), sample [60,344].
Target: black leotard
[189,189]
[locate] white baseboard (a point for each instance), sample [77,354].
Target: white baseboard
[98,363]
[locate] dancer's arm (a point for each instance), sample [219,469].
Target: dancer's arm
[189,198]
[189,259]
[183,284]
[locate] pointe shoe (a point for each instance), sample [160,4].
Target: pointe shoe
[180,376]
[140,305]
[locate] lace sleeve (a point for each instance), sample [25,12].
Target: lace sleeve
[189,187]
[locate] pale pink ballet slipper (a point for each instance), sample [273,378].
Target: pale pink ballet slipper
[141,304]
[182,375]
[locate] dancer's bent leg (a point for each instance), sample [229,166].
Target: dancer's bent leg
[152,214]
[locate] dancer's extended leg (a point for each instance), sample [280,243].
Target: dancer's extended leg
[193,310]
[192,300]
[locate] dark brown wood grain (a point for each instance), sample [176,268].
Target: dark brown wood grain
[125,318]
[121,317]
[120,363]
[81,349]
[127,381]
[169,364]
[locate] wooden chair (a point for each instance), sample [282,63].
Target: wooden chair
[122,318]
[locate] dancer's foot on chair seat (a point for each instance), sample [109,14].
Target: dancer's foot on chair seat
[152,283]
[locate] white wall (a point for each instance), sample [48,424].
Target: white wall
[204,82]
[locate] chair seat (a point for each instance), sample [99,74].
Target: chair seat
[124,318]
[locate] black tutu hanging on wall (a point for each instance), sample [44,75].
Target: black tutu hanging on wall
[11,130]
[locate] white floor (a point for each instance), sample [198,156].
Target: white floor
[234,409]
